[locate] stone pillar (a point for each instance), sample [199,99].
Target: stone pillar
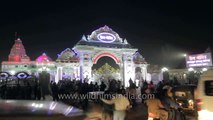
[128,69]
[59,74]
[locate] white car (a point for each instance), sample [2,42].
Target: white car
[205,96]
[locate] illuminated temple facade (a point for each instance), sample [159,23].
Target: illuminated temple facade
[77,62]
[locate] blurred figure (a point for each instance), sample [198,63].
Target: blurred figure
[35,90]
[176,82]
[155,109]
[102,86]
[95,113]
[91,87]
[38,92]
[144,90]
[55,91]
[151,87]
[112,86]
[123,91]
[96,87]
[118,85]
[170,104]
[3,91]
[121,104]
[132,93]
[84,91]
[28,91]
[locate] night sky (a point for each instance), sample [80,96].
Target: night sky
[162,31]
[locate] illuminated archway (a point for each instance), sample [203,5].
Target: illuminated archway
[108,55]
[105,68]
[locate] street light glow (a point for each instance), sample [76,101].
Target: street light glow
[204,69]
[191,69]
[12,72]
[164,69]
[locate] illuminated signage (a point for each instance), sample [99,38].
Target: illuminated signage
[199,60]
[106,37]
[22,75]
[4,75]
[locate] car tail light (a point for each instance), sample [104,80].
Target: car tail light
[199,104]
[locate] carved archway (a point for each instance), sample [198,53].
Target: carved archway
[97,57]
[105,68]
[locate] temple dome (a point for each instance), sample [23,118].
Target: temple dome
[43,58]
[68,55]
[138,58]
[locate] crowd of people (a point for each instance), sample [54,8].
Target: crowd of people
[37,91]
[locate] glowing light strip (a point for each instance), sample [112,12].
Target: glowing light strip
[106,54]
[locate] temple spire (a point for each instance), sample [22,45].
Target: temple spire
[18,53]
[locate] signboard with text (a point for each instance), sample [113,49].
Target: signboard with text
[199,60]
[106,37]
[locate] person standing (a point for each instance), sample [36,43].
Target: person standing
[84,91]
[28,91]
[55,91]
[151,87]
[144,90]
[102,86]
[38,90]
[96,87]
[35,88]
[132,93]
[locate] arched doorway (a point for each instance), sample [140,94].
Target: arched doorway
[105,68]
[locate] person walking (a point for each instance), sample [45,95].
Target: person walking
[121,104]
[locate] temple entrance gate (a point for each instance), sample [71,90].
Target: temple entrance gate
[77,63]
[104,42]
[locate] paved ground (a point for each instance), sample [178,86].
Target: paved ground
[137,113]
[94,111]
[40,118]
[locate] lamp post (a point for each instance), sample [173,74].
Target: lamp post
[164,69]
[184,56]
[191,75]
[204,69]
